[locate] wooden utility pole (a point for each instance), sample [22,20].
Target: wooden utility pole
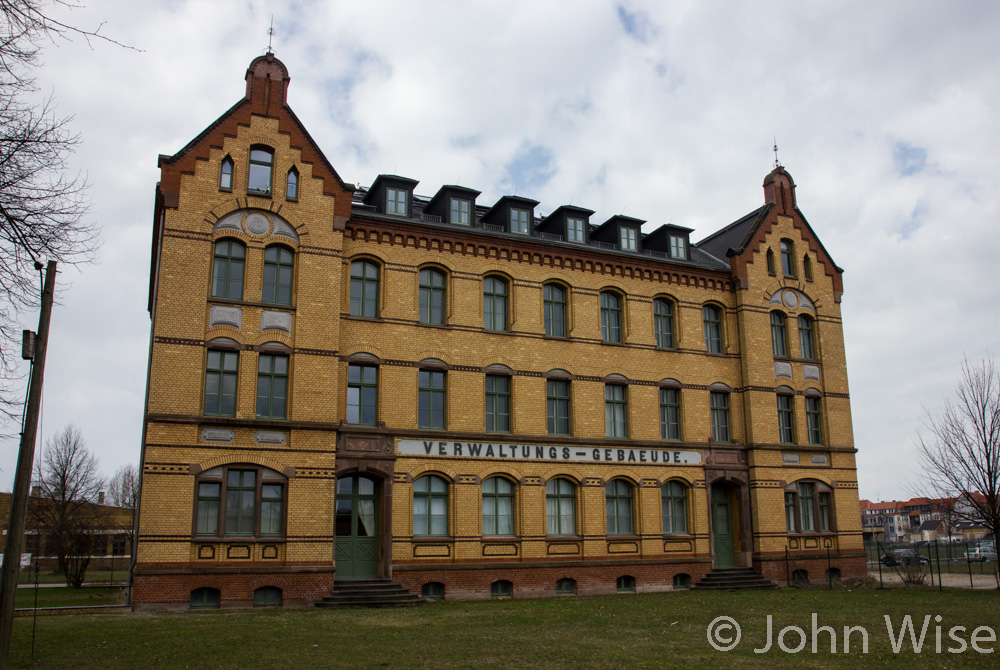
[22,475]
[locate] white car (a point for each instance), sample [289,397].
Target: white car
[980,554]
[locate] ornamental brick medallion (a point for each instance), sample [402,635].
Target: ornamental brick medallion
[257,223]
[790,298]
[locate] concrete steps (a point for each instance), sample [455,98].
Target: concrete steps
[370,593]
[734,579]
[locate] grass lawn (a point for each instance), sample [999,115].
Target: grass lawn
[65,597]
[633,631]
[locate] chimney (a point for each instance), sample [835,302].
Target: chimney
[100,498]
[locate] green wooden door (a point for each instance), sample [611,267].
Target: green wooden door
[722,527]
[356,528]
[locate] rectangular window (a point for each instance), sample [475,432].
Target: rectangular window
[790,512]
[272,386]
[712,317]
[270,509]
[241,490]
[209,499]
[813,421]
[494,304]
[220,383]
[786,432]
[557,406]
[575,230]
[670,414]
[806,511]
[806,349]
[460,211]
[430,399]
[720,416]
[362,394]
[497,404]
[824,512]
[615,411]
[519,221]
[628,238]
[396,201]
[677,247]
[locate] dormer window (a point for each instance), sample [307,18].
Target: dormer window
[628,238]
[678,247]
[575,230]
[460,211]
[519,221]
[396,201]
[259,177]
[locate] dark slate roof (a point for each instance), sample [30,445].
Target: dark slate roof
[930,524]
[734,236]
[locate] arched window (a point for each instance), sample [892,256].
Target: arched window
[259,174]
[497,403]
[779,338]
[277,284]
[809,507]
[807,267]
[205,598]
[221,374]
[682,581]
[618,502]
[625,584]
[364,289]
[501,588]
[362,394]
[495,303]
[807,342]
[227,269]
[432,296]
[674,508]
[498,506]
[430,506]
[431,399]
[611,317]
[719,401]
[226,174]
[557,405]
[787,258]
[565,586]
[770,261]
[615,410]
[554,301]
[292,185]
[267,596]
[560,507]
[272,386]
[786,423]
[670,413]
[432,591]
[240,500]
[814,420]
[712,317]
[663,323]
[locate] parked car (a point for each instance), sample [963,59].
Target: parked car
[981,554]
[904,557]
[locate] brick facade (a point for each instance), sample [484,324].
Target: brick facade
[193,454]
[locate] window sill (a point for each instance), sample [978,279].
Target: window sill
[619,538]
[235,539]
[813,533]
[613,344]
[496,332]
[563,538]
[259,194]
[678,536]
[250,303]
[354,317]
[433,538]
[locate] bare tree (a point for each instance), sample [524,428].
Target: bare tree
[66,510]
[960,457]
[123,493]
[43,211]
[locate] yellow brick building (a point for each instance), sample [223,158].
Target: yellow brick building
[472,399]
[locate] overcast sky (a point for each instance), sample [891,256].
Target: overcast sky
[885,114]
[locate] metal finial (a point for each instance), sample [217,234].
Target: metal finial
[777,164]
[270,34]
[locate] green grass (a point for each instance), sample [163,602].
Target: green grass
[66,597]
[634,631]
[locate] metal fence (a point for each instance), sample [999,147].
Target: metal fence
[939,564]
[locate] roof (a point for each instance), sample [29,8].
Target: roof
[734,236]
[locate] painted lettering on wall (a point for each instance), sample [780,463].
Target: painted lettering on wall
[535,452]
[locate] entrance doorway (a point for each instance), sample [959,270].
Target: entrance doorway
[722,526]
[356,528]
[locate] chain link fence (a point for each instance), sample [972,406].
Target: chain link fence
[971,565]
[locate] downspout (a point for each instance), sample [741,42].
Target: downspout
[746,423]
[155,279]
